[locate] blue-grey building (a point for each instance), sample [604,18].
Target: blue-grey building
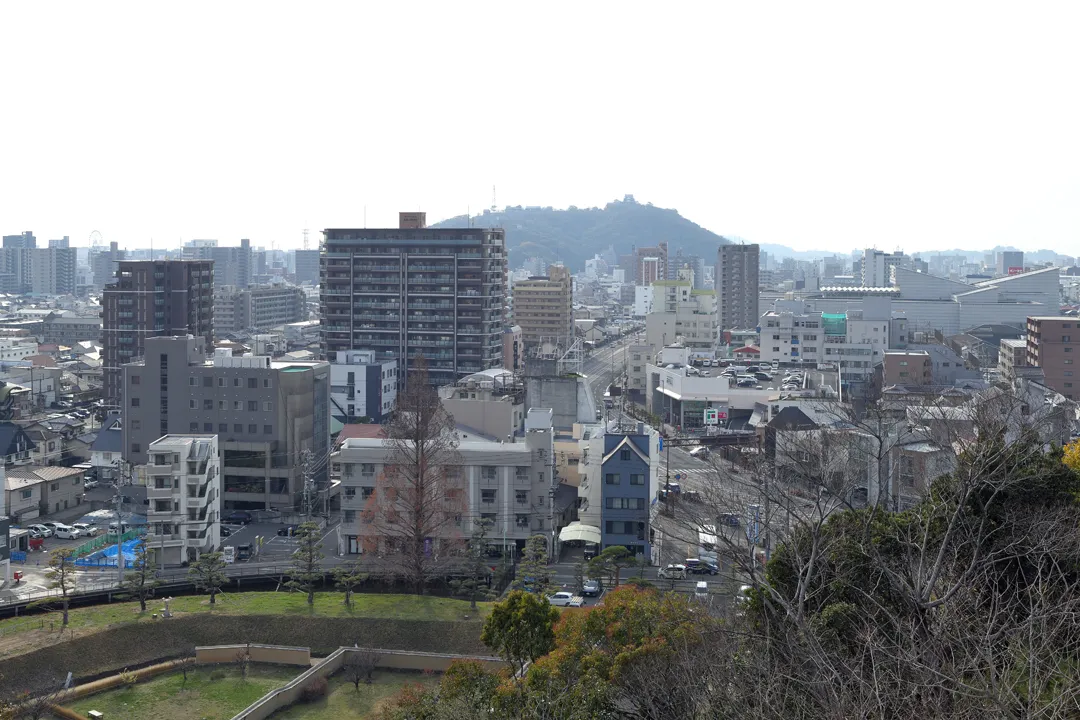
[626,492]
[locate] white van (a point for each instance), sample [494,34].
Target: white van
[701,590]
[66,532]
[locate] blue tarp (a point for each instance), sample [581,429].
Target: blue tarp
[106,557]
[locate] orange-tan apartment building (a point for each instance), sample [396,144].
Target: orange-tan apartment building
[543,307]
[1053,344]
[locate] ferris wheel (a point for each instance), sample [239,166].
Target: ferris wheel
[96,241]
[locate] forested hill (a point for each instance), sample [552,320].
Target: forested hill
[576,234]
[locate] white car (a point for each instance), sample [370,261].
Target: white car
[66,532]
[565,599]
[700,452]
[672,572]
[41,530]
[86,529]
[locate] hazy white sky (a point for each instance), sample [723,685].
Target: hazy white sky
[816,125]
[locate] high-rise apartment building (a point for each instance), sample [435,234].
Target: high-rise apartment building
[232,265]
[543,307]
[16,266]
[259,307]
[416,290]
[1053,344]
[53,269]
[307,267]
[265,414]
[183,494]
[736,284]
[152,298]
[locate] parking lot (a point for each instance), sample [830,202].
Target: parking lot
[266,544]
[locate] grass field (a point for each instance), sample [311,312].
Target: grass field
[345,703]
[19,635]
[167,697]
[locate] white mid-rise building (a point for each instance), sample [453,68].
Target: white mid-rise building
[363,386]
[183,491]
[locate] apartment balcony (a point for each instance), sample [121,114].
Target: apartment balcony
[445,268]
[421,305]
[376,289]
[375,316]
[422,342]
[430,318]
[421,289]
[365,306]
[363,267]
[162,493]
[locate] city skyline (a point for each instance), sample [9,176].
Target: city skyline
[817,128]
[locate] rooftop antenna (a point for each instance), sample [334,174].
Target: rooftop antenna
[493,203]
[305,238]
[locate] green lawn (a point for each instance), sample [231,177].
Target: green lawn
[167,697]
[327,604]
[345,703]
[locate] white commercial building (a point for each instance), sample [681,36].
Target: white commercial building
[363,384]
[509,484]
[643,300]
[183,491]
[681,313]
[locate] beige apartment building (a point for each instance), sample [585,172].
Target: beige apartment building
[543,307]
[1053,344]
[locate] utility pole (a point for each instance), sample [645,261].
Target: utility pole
[122,481]
[308,492]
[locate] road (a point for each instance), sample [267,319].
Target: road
[605,364]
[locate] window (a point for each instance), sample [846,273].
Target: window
[252,429]
[237,405]
[222,405]
[611,479]
[54,487]
[26,494]
[237,428]
[1068,385]
[136,448]
[208,404]
[134,402]
[223,427]
[367,469]
[625,503]
[487,496]
[350,492]
[637,479]
[207,381]
[366,492]
[208,427]
[266,382]
[268,429]
[221,382]
[252,383]
[350,516]
[136,380]
[192,404]
[136,424]
[191,381]
[193,427]
[266,407]
[521,497]
[253,406]
[1067,361]
[624,455]
[236,382]
[1068,349]
[1064,338]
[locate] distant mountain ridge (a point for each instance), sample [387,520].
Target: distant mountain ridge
[577,234]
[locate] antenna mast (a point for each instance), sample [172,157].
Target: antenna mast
[305,238]
[494,205]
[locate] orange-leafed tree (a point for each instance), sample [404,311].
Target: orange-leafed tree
[419,502]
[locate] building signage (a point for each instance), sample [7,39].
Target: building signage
[714,415]
[1015,270]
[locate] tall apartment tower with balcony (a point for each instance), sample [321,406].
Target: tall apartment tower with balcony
[153,298]
[736,283]
[183,492]
[543,307]
[416,290]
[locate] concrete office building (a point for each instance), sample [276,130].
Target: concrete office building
[232,265]
[307,267]
[183,492]
[416,290]
[906,367]
[104,263]
[1053,344]
[64,329]
[259,307]
[509,484]
[265,414]
[543,308]
[736,283]
[1009,262]
[1012,358]
[363,386]
[650,264]
[152,298]
[681,313]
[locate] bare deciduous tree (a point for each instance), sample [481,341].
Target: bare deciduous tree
[61,575]
[360,666]
[419,499]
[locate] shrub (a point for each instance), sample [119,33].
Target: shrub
[218,674]
[315,690]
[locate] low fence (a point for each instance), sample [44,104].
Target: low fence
[107,539]
[287,695]
[274,654]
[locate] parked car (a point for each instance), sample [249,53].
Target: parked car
[86,529]
[288,530]
[729,519]
[700,452]
[52,525]
[66,532]
[565,599]
[43,530]
[701,590]
[672,572]
[592,588]
[698,566]
[240,517]
[90,484]
[692,496]
[226,531]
